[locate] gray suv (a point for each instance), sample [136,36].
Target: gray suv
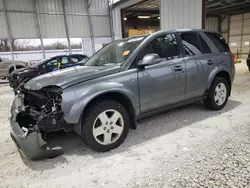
[126,80]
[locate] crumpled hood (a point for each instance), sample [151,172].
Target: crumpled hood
[69,76]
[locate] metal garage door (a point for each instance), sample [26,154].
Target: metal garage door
[246,34]
[212,23]
[181,14]
[240,33]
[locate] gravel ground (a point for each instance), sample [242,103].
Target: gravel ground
[187,147]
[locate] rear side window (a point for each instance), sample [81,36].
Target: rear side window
[64,60]
[218,41]
[204,46]
[191,43]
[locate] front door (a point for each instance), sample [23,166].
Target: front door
[162,84]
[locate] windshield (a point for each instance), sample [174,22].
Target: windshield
[115,53]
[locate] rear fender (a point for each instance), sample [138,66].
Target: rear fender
[214,72]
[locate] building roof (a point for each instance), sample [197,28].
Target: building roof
[119,2]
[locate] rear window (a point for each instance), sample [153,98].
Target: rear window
[218,41]
[204,46]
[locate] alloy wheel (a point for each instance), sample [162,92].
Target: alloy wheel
[220,94]
[108,127]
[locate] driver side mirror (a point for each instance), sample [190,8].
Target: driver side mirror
[149,59]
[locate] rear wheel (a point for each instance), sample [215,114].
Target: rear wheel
[217,95]
[105,125]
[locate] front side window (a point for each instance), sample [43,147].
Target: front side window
[165,46]
[191,43]
[51,64]
[115,53]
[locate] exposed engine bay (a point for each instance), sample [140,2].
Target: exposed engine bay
[40,108]
[39,112]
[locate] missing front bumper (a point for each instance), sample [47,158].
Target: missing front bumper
[32,146]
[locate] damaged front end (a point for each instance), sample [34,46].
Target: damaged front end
[33,115]
[18,78]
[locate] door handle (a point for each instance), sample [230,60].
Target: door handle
[210,62]
[177,68]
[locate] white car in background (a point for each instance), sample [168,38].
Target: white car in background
[7,66]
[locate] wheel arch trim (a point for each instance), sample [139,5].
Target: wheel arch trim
[217,71]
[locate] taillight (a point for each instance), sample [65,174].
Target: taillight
[234,57]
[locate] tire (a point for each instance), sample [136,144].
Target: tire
[210,102]
[96,132]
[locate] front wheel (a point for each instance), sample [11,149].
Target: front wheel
[105,125]
[217,94]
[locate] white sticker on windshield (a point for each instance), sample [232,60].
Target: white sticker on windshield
[136,39]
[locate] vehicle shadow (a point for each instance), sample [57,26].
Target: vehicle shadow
[147,129]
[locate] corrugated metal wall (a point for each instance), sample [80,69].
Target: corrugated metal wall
[3,28]
[23,21]
[235,32]
[177,14]
[212,23]
[116,15]
[246,34]
[87,44]
[224,27]
[174,14]
[240,33]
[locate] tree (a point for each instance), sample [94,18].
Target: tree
[4,45]
[76,46]
[58,45]
[17,45]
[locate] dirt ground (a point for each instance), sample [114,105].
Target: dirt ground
[187,147]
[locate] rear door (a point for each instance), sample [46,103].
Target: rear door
[221,50]
[198,58]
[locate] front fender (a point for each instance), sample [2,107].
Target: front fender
[214,72]
[83,96]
